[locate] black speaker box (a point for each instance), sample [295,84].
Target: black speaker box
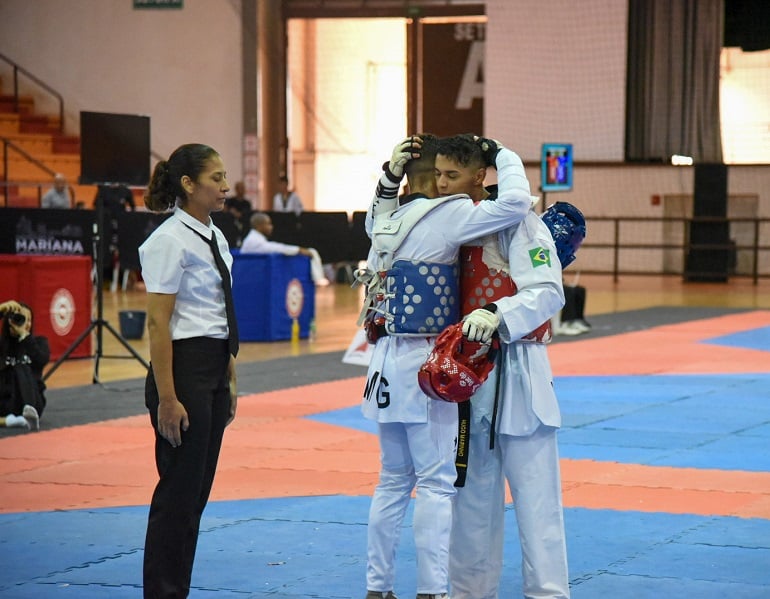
[710,200]
[710,189]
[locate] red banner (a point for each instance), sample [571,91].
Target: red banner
[58,289]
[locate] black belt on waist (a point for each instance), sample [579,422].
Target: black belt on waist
[463,441]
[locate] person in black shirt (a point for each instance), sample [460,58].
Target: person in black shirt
[240,208]
[22,359]
[114,199]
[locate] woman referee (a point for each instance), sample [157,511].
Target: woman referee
[191,388]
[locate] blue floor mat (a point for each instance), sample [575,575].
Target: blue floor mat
[753,339]
[702,421]
[315,547]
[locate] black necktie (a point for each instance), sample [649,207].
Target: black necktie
[232,323]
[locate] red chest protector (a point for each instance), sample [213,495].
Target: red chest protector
[480,286]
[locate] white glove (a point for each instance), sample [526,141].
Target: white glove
[480,325]
[403,153]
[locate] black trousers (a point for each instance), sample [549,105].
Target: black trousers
[574,303]
[186,472]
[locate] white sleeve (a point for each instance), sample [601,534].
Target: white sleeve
[466,221]
[385,200]
[254,243]
[295,203]
[536,271]
[276,247]
[162,260]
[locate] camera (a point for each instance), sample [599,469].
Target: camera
[16,318]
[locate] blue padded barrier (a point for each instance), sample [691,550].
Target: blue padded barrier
[263,284]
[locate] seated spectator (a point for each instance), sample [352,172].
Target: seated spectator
[240,207]
[572,320]
[59,195]
[257,242]
[287,200]
[239,201]
[22,358]
[114,198]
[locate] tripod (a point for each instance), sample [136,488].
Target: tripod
[98,323]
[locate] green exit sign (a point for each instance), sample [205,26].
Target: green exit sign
[158,3]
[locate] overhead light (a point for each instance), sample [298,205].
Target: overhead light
[678,160]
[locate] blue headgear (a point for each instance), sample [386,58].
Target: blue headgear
[568,229]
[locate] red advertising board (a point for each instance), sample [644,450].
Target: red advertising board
[59,291]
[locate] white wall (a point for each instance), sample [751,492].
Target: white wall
[555,72]
[617,190]
[180,67]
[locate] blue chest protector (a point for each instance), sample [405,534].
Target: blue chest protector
[421,298]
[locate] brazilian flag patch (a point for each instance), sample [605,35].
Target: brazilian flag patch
[540,257]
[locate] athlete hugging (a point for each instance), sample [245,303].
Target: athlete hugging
[446,265]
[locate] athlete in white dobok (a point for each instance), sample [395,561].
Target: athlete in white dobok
[511,285]
[412,295]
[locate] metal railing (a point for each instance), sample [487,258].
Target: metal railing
[619,243]
[47,88]
[7,143]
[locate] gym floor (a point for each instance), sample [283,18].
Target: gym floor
[665,467]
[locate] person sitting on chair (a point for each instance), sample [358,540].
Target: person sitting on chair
[287,200]
[257,242]
[572,318]
[22,358]
[240,207]
[59,196]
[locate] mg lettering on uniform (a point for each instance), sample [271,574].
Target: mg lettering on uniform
[377,385]
[370,385]
[383,400]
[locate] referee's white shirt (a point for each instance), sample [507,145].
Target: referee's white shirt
[256,243]
[175,260]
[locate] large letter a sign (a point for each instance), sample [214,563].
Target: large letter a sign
[453,78]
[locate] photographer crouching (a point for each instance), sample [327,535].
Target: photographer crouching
[22,359]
